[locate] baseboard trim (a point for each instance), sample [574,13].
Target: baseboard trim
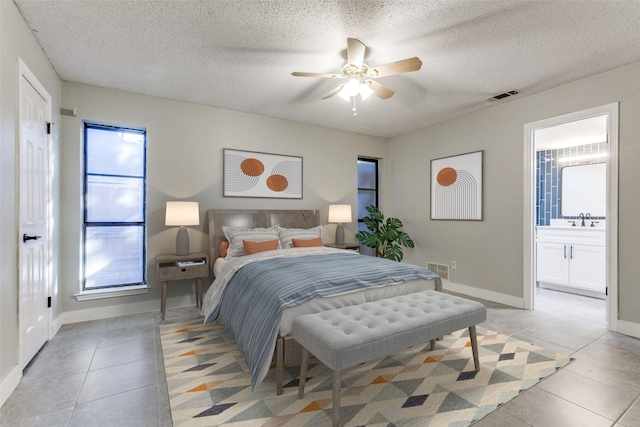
[484,294]
[55,327]
[9,384]
[99,313]
[629,328]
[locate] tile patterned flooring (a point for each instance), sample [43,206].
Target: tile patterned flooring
[110,372]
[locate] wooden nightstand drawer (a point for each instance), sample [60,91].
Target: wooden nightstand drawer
[171,271]
[348,246]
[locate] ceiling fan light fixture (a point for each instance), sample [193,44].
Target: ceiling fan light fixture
[352,88]
[360,76]
[344,94]
[365,90]
[355,87]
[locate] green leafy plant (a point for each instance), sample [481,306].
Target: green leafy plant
[384,236]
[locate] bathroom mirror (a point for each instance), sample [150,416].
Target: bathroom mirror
[584,190]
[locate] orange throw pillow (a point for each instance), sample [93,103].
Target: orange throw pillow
[299,243]
[255,247]
[224,246]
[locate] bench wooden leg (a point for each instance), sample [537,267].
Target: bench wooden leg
[474,347]
[438,284]
[335,411]
[279,365]
[303,372]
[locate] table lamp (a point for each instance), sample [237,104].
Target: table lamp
[181,214]
[339,214]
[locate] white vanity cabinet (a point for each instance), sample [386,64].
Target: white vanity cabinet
[572,259]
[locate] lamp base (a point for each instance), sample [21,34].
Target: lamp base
[182,242]
[339,234]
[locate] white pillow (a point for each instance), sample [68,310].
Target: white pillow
[287,234]
[236,236]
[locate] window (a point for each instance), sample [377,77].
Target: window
[367,193]
[114,234]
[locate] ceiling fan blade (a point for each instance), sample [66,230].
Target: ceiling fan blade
[321,75]
[355,52]
[398,67]
[381,91]
[333,92]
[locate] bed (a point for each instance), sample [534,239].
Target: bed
[222,304]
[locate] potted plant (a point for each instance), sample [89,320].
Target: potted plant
[384,236]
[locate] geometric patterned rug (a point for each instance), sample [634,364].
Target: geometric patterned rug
[209,383]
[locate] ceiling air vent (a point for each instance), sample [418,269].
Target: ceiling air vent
[503,95]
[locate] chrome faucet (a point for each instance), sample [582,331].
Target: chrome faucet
[581,216]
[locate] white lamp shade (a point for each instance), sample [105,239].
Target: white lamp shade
[340,213]
[354,87]
[365,91]
[344,95]
[182,213]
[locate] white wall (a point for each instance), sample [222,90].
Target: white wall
[17,41]
[184,149]
[489,253]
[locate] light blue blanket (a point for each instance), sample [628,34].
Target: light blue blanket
[253,301]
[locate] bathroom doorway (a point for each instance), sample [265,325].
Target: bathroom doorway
[580,261]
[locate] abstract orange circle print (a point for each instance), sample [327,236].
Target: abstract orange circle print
[456,187]
[447,176]
[277,182]
[252,167]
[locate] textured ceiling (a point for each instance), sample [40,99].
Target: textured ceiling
[239,55]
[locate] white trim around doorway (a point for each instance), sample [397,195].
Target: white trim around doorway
[529,274]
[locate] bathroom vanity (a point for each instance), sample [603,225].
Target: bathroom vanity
[572,259]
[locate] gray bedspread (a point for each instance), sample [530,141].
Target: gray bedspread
[255,295]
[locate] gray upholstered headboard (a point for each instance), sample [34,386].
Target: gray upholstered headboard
[248,218]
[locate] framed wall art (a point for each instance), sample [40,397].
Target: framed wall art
[254,174]
[456,187]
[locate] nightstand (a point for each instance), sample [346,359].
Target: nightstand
[347,246]
[181,267]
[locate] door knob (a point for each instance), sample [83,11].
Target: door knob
[26,237]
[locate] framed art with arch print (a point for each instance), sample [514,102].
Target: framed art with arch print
[456,187]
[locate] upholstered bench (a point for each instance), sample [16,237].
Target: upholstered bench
[348,336]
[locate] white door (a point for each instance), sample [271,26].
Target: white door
[34,200]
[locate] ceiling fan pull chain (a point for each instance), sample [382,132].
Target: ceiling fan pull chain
[354,109]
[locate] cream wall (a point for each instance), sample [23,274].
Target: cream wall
[185,143]
[16,41]
[489,253]
[184,149]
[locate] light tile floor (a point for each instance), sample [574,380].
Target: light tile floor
[110,372]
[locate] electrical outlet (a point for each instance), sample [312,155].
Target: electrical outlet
[454,265]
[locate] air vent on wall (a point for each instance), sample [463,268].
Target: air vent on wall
[440,269]
[503,95]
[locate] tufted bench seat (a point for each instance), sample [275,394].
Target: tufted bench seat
[345,337]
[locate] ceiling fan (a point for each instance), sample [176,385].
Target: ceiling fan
[360,76]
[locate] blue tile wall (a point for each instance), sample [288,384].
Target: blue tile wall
[548,178]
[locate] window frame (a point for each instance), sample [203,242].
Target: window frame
[376,191]
[116,289]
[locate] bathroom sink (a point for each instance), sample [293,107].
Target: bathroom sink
[569,227]
[566,223]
